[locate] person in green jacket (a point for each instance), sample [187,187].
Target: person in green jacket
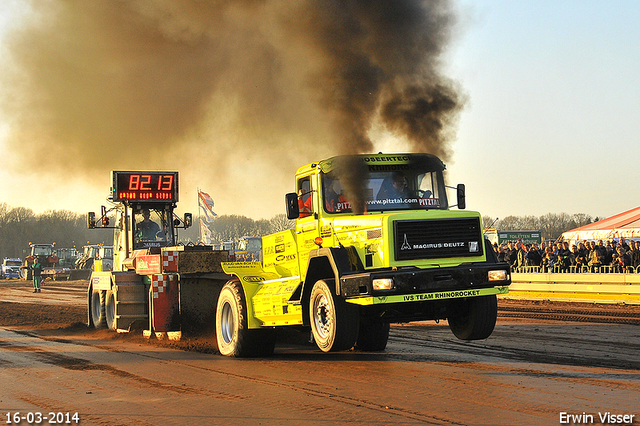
[37,274]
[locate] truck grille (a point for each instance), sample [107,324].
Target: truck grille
[437,238]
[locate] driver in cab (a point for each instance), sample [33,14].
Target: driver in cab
[147,229]
[394,188]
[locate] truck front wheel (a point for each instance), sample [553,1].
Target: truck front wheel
[334,322]
[232,330]
[98,312]
[474,318]
[373,335]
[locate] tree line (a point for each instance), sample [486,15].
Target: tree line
[551,225]
[233,227]
[20,226]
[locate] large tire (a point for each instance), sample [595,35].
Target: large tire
[373,336]
[25,274]
[88,264]
[334,322]
[97,309]
[110,310]
[474,318]
[232,330]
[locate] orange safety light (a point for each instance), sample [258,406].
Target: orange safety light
[318,241]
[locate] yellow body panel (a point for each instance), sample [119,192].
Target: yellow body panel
[252,276]
[280,254]
[270,303]
[269,286]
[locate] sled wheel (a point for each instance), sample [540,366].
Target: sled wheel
[110,310]
[98,311]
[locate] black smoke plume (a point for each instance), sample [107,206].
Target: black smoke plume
[211,87]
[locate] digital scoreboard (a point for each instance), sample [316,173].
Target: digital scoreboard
[145,186]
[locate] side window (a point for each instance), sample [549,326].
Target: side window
[305,200]
[428,185]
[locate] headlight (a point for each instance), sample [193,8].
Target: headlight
[383,284]
[500,275]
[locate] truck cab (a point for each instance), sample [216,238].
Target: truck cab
[48,259]
[351,200]
[105,257]
[87,257]
[67,256]
[144,224]
[10,268]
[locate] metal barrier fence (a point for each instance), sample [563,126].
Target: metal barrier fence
[591,287]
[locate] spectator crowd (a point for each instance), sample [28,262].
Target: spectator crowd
[587,256]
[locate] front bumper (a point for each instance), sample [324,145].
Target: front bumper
[423,285]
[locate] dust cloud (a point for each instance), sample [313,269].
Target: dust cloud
[234,94]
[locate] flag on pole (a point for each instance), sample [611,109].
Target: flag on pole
[205,232]
[206,204]
[206,199]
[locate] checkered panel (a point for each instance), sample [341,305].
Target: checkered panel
[159,284]
[170,261]
[164,302]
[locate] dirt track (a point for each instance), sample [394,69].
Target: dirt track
[60,304]
[527,373]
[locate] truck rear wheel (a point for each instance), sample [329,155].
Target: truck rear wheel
[474,318]
[232,331]
[98,312]
[110,310]
[373,336]
[334,322]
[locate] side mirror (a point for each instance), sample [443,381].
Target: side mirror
[105,219]
[462,201]
[293,208]
[91,220]
[188,220]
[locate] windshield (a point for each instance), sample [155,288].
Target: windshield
[42,251]
[91,251]
[153,228]
[409,189]
[13,263]
[65,253]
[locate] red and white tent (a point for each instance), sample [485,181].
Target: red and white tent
[624,225]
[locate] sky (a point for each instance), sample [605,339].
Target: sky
[549,124]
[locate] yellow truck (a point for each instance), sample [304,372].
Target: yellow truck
[375,242]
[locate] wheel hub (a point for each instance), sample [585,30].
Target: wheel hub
[227,323]
[323,317]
